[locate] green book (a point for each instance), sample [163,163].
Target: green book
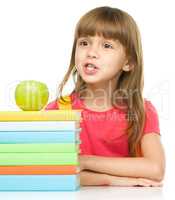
[38,159]
[39,148]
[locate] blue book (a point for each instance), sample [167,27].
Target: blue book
[39,137]
[39,182]
[39,126]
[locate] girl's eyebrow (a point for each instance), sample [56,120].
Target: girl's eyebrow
[114,41]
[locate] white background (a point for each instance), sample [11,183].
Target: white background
[36,38]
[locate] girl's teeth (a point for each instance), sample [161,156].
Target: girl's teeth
[90,69]
[90,66]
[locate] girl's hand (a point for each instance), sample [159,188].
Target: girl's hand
[122,181]
[129,182]
[148,183]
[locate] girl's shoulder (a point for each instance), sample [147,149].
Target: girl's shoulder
[149,107]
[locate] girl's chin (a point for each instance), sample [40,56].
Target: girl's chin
[90,80]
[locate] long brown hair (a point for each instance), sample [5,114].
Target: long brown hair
[113,23]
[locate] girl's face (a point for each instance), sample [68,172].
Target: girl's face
[99,60]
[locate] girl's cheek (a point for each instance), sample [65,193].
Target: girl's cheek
[77,55]
[76,59]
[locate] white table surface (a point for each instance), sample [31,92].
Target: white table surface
[91,193]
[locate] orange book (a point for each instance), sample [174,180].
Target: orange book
[39,170]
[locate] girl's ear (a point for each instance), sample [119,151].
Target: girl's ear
[127,67]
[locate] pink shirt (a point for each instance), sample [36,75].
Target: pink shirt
[103,133]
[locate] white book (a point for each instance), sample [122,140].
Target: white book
[39,126]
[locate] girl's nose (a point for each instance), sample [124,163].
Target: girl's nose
[93,52]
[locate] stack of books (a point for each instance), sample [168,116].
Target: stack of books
[39,150]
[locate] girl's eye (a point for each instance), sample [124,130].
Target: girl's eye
[83,43]
[108,46]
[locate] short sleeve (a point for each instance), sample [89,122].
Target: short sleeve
[151,119]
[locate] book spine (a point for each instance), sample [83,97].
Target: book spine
[39,183]
[57,115]
[39,148]
[39,170]
[40,126]
[38,159]
[14,137]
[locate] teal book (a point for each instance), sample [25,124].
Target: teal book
[13,137]
[39,182]
[38,159]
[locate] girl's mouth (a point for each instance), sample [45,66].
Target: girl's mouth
[90,69]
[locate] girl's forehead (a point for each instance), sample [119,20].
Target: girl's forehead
[96,36]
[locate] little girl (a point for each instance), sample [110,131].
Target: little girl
[120,137]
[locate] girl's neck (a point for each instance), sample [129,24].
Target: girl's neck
[98,97]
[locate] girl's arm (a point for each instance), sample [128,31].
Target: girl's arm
[88,178]
[150,166]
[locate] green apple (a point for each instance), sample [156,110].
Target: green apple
[31,95]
